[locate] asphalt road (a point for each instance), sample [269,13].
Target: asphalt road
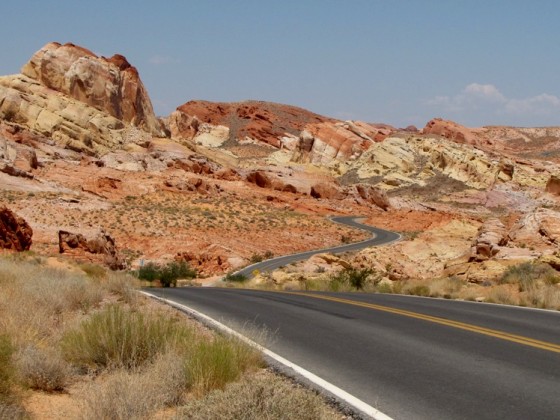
[410,357]
[380,237]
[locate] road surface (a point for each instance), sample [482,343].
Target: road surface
[410,357]
[380,237]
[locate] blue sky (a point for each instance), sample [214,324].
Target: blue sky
[398,62]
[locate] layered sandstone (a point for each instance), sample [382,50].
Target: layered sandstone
[87,103]
[304,136]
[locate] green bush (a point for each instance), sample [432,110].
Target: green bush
[235,278]
[356,278]
[116,337]
[167,274]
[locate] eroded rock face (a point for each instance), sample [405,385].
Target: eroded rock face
[82,102]
[455,132]
[553,185]
[491,236]
[15,233]
[111,84]
[310,137]
[374,196]
[327,190]
[536,227]
[103,246]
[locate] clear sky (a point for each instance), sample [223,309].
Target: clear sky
[399,62]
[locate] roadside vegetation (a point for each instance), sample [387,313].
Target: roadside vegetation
[86,333]
[531,284]
[166,275]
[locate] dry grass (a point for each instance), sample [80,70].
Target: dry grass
[260,396]
[213,364]
[131,357]
[42,369]
[120,338]
[128,394]
[36,300]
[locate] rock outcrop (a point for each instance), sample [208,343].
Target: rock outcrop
[102,246]
[111,84]
[86,103]
[374,196]
[308,137]
[553,185]
[15,232]
[455,132]
[491,236]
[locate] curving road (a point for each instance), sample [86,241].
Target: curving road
[410,357]
[380,237]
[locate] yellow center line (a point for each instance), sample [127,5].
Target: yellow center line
[442,321]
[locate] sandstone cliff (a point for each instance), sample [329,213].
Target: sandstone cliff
[81,101]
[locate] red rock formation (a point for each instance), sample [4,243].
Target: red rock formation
[15,233]
[553,185]
[103,245]
[263,121]
[455,132]
[327,190]
[108,84]
[316,138]
[374,196]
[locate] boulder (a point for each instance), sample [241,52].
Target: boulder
[103,245]
[491,236]
[553,185]
[373,195]
[327,190]
[15,232]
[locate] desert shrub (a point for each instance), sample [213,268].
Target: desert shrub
[355,278]
[148,272]
[93,270]
[502,295]
[116,337]
[167,274]
[528,275]
[446,287]
[235,278]
[419,290]
[268,255]
[122,285]
[136,395]
[256,258]
[260,396]
[545,297]
[42,369]
[36,300]
[6,368]
[213,364]
[384,288]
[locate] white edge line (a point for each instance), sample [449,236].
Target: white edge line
[327,386]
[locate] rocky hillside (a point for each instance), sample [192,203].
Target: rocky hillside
[241,128]
[82,152]
[83,102]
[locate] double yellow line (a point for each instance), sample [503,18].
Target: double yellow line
[543,345]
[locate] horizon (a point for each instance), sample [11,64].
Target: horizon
[469,62]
